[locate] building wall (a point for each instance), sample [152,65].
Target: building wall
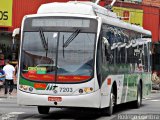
[24,7]
[152,2]
[20,8]
[151,21]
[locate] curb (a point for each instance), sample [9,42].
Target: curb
[14,97]
[155,91]
[3,96]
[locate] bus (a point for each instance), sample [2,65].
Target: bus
[155,66]
[81,55]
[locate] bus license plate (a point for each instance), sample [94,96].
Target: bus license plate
[55,99]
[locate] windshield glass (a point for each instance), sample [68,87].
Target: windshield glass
[72,63]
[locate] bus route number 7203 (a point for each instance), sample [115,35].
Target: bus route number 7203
[66,89]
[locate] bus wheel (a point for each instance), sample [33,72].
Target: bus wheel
[109,111]
[138,102]
[43,109]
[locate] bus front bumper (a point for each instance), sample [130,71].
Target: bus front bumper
[91,100]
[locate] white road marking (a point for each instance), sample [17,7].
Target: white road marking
[155,100]
[16,113]
[146,98]
[11,115]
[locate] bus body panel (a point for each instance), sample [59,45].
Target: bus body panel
[147,84]
[106,89]
[126,88]
[41,88]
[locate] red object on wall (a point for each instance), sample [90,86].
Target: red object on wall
[126,15]
[102,3]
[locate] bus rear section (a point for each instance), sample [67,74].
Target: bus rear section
[57,62]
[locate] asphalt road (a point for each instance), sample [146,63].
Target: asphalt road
[150,110]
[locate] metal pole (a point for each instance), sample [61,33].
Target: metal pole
[112,3]
[97,1]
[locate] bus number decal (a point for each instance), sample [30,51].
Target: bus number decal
[62,89]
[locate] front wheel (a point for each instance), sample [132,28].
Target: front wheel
[43,109]
[138,102]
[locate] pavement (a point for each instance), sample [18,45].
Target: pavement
[14,93]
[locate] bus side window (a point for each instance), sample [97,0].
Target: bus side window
[122,52]
[145,55]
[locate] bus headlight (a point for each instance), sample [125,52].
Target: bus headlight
[26,88]
[88,89]
[85,90]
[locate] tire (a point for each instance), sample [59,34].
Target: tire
[109,111]
[43,109]
[138,102]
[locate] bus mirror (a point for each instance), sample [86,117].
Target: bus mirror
[16,31]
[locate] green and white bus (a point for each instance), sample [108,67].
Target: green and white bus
[79,54]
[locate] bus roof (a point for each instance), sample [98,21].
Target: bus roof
[74,7]
[90,9]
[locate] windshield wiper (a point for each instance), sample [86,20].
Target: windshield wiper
[44,41]
[71,38]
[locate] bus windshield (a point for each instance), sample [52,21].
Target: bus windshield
[57,56]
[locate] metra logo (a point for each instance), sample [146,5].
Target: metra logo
[51,87]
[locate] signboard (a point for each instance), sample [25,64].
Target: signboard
[133,16]
[6,13]
[132,1]
[152,2]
